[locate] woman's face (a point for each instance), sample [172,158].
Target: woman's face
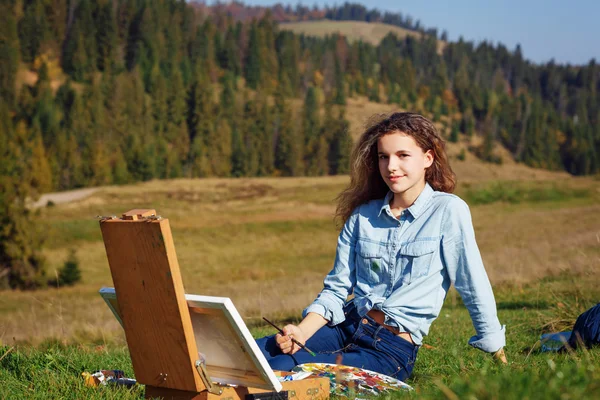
[402,163]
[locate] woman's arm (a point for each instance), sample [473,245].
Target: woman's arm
[466,271]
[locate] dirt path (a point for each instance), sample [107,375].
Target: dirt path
[64,197]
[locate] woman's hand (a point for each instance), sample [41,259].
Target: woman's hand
[285,342]
[500,356]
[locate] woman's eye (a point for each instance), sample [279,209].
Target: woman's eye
[382,157]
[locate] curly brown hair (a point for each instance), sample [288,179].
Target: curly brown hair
[366,182]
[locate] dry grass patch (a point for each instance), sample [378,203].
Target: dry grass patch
[369,32]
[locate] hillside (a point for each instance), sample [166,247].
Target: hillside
[370,32]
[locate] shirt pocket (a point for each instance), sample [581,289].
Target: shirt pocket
[370,266]
[415,259]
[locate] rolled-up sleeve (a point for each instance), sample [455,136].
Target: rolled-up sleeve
[340,281]
[466,271]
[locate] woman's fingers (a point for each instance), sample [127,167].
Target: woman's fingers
[285,343]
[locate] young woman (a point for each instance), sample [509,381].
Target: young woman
[405,240]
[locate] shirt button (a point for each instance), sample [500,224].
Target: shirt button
[364,321]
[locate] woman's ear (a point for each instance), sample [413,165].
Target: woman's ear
[428,158]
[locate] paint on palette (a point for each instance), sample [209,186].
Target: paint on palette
[353,382]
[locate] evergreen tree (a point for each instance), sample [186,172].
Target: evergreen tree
[318,163]
[340,90]
[288,145]
[177,129]
[454,132]
[79,58]
[70,273]
[120,172]
[41,174]
[265,142]
[341,147]
[158,92]
[33,28]
[201,123]
[254,73]
[221,149]
[229,56]
[100,165]
[106,36]
[311,127]
[21,263]
[9,54]
[238,154]
[252,136]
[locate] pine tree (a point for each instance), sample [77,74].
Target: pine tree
[201,123]
[288,145]
[340,90]
[106,36]
[119,169]
[21,263]
[41,175]
[252,136]
[341,146]
[311,127]
[70,273]
[238,154]
[158,92]
[454,132]
[177,129]
[221,149]
[265,142]
[227,101]
[229,56]
[33,28]
[79,58]
[100,165]
[9,54]
[254,73]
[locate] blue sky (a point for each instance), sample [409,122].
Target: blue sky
[568,31]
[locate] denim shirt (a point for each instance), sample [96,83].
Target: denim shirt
[404,267]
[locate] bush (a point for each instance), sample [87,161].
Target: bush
[70,273]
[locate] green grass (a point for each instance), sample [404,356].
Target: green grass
[450,369]
[523,192]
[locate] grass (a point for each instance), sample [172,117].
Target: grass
[450,368]
[517,192]
[267,243]
[369,32]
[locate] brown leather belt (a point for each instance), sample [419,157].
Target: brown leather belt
[379,317]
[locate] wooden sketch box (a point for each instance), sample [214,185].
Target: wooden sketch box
[183,346]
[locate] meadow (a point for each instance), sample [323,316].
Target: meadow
[369,32]
[268,242]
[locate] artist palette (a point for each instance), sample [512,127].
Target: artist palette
[353,382]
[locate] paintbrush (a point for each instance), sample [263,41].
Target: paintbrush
[293,340]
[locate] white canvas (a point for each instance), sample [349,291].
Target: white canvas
[223,340]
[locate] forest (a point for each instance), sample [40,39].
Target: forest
[117,91]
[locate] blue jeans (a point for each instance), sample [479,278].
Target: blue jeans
[360,341]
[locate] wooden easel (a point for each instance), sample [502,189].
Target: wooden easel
[156,318]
